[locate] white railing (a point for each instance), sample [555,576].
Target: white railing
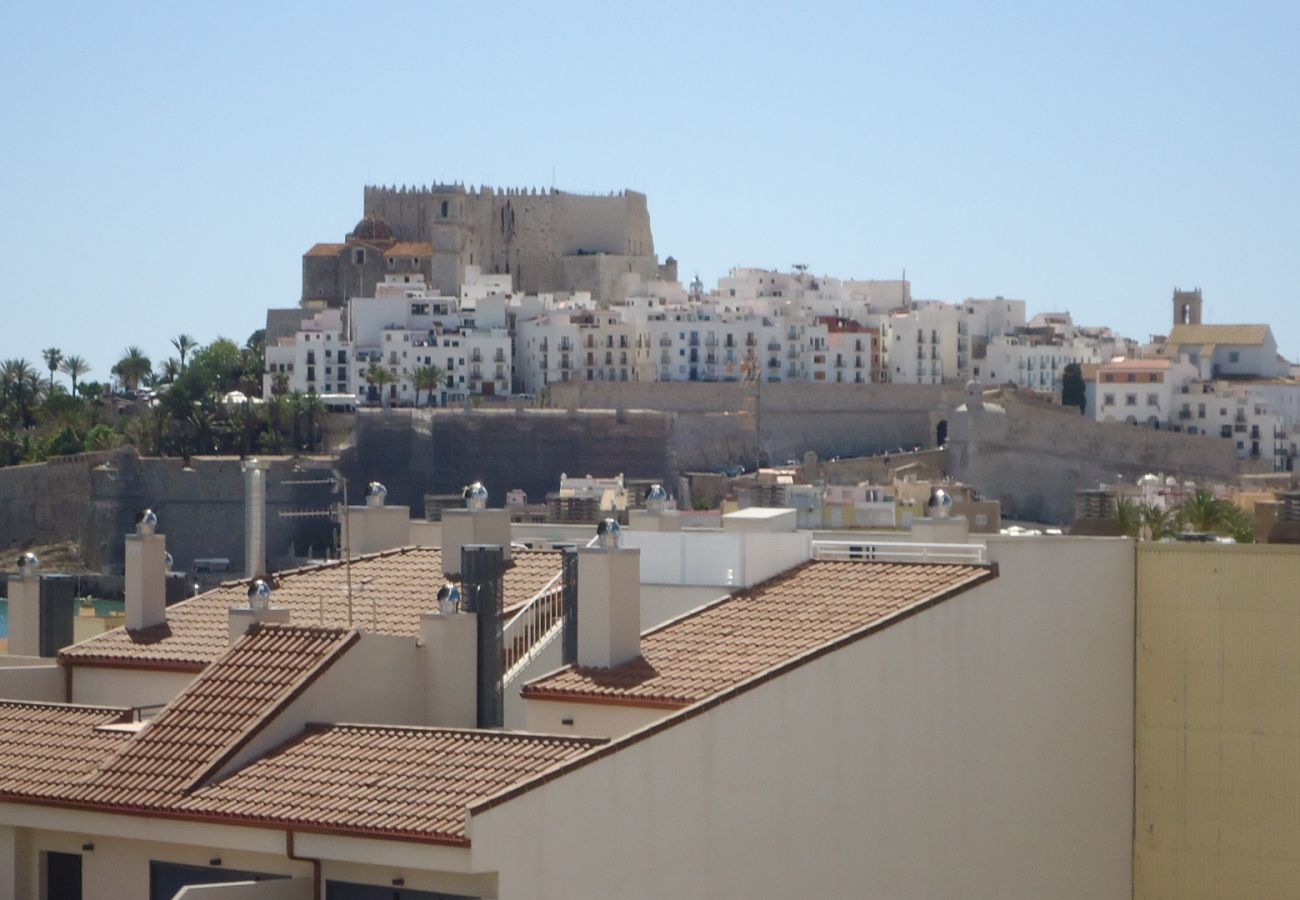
[899,551]
[533,626]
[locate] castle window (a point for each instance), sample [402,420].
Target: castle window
[444,209]
[359,256]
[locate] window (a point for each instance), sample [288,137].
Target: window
[62,876]
[444,209]
[167,879]
[1108,400]
[359,256]
[1130,399]
[1153,400]
[1234,356]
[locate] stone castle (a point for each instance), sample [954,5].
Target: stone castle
[547,240]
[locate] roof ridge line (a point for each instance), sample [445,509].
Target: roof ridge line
[291,693]
[495,733]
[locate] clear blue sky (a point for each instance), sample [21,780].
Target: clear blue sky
[163,167]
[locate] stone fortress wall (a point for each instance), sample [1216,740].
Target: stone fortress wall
[549,240]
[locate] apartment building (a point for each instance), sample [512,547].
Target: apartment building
[302,758]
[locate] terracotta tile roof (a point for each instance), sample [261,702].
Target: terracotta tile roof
[212,718]
[382,779]
[45,747]
[400,585]
[410,248]
[325,250]
[1246,335]
[722,645]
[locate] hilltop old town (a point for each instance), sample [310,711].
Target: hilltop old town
[506,562]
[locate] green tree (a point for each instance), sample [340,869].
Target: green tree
[379,376]
[74,367]
[1203,512]
[427,378]
[132,367]
[170,371]
[53,359]
[1074,390]
[184,344]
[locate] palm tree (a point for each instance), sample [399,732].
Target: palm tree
[428,378]
[132,367]
[20,385]
[170,370]
[1206,513]
[378,376]
[53,359]
[184,344]
[74,367]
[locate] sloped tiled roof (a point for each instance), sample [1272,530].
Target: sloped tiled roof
[382,779]
[410,248]
[325,250]
[1243,335]
[397,585]
[45,747]
[726,643]
[214,716]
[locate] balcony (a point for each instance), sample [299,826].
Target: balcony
[711,341]
[665,341]
[499,356]
[774,347]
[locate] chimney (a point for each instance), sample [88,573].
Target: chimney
[375,494]
[1096,514]
[258,610]
[1287,528]
[483,570]
[254,517]
[450,640]
[656,516]
[609,600]
[25,607]
[475,524]
[940,526]
[146,574]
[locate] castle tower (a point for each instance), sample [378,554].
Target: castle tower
[1187,307]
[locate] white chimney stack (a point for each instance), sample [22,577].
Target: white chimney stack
[146,574]
[450,640]
[254,517]
[609,600]
[25,608]
[259,610]
[476,524]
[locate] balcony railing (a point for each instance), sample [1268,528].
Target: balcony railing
[904,551]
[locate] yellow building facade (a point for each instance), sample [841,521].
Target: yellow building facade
[1218,722]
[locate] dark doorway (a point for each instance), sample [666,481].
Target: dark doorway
[63,876]
[941,433]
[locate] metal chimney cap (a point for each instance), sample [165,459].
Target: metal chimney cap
[259,594]
[28,564]
[940,504]
[656,498]
[146,522]
[448,599]
[610,534]
[376,489]
[475,496]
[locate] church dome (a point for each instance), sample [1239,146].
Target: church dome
[372,228]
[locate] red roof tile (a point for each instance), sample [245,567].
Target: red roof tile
[389,592]
[382,779]
[214,716]
[725,644]
[47,746]
[410,248]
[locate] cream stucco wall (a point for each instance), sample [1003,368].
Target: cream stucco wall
[1218,722]
[981,749]
[588,719]
[127,687]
